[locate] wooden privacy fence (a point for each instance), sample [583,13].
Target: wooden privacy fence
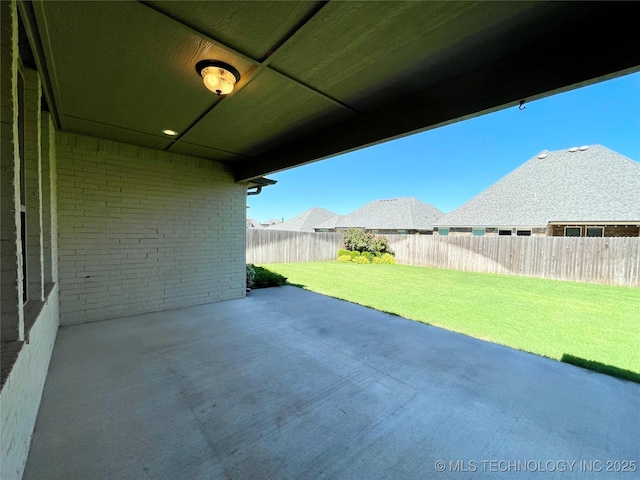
[606,260]
[278,246]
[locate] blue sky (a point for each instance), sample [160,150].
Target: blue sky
[449,165]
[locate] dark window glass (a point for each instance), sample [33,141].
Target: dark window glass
[23,229]
[21,136]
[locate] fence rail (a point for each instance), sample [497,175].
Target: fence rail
[608,260]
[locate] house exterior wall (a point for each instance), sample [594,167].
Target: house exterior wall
[554,230]
[10,251]
[403,232]
[142,230]
[29,329]
[557,230]
[492,231]
[22,392]
[377,231]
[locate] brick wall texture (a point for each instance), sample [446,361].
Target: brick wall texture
[21,394]
[141,230]
[11,309]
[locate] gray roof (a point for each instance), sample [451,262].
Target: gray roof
[586,184]
[406,213]
[306,221]
[251,223]
[271,222]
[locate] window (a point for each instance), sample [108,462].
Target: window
[23,185]
[443,232]
[572,231]
[478,232]
[504,232]
[523,233]
[595,231]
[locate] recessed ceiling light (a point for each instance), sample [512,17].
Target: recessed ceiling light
[219,77]
[170,133]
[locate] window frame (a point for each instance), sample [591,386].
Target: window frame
[600,227]
[573,227]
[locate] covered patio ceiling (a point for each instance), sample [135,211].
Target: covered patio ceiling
[317,78]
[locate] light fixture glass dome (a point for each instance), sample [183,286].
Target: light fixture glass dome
[218,80]
[218,77]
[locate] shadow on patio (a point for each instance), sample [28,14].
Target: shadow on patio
[291,384]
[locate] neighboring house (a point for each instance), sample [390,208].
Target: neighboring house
[587,191]
[393,216]
[251,223]
[306,221]
[270,223]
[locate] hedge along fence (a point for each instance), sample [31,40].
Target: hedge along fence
[278,246]
[606,260]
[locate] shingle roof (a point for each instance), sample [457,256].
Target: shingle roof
[586,184]
[306,221]
[406,213]
[271,222]
[251,223]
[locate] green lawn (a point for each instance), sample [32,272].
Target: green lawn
[576,322]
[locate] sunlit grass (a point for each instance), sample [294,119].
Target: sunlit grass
[597,323]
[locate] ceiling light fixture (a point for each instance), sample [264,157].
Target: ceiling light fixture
[170,133]
[219,77]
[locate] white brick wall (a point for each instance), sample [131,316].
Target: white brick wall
[10,251]
[21,394]
[23,375]
[142,230]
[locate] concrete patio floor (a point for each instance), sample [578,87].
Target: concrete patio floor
[291,384]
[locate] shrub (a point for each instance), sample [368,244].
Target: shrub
[387,258]
[357,239]
[344,258]
[361,259]
[354,254]
[377,260]
[369,256]
[251,275]
[343,252]
[380,245]
[266,278]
